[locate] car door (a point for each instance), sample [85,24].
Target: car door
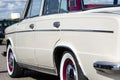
[47,34]
[25,37]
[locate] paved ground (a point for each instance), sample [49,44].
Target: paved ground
[28,75]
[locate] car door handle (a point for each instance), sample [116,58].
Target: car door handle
[31,26]
[56,24]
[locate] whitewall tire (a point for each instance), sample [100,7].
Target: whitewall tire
[69,68]
[13,69]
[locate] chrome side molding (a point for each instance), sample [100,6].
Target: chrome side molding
[39,69]
[107,67]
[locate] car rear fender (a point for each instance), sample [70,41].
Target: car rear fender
[71,48]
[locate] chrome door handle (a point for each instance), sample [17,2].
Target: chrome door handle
[56,24]
[31,26]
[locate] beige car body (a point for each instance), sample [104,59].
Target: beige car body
[92,35]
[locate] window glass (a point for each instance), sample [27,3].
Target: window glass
[70,5]
[34,9]
[97,3]
[64,6]
[51,7]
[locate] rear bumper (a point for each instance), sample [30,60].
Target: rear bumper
[107,67]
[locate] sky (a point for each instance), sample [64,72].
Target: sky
[11,6]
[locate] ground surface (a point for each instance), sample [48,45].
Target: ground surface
[28,75]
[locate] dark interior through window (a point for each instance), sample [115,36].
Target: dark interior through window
[51,7]
[70,5]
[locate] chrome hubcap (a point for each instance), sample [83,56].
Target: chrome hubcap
[69,71]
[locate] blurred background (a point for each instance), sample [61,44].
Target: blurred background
[11,6]
[7,7]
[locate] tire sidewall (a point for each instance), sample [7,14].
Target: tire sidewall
[9,72]
[70,55]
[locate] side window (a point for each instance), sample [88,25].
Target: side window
[97,3]
[34,9]
[70,5]
[51,7]
[64,6]
[74,5]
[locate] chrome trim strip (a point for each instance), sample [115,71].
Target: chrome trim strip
[39,69]
[85,30]
[69,30]
[108,67]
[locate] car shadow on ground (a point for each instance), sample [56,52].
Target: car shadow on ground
[3,44]
[39,76]
[3,71]
[35,75]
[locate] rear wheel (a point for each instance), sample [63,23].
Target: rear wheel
[69,68]
[13,68]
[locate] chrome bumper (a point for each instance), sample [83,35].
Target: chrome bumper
[107,67]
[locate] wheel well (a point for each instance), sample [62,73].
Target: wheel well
[8,42]
[58,53]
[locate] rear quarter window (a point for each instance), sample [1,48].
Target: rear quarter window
[97,3]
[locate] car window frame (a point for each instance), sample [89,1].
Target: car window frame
[42,9]
[29,10]
[29,7]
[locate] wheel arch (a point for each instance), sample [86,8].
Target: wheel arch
[57,56]
[58,52]
[9,41]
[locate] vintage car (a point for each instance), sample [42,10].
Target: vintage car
[72,39]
